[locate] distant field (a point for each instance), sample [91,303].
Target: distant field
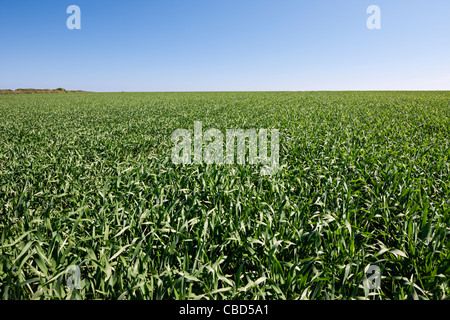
[87,179]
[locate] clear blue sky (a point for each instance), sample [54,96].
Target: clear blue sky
[209,45]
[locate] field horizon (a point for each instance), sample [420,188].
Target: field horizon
[37,91]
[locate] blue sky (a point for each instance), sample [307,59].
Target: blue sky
[225,45]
